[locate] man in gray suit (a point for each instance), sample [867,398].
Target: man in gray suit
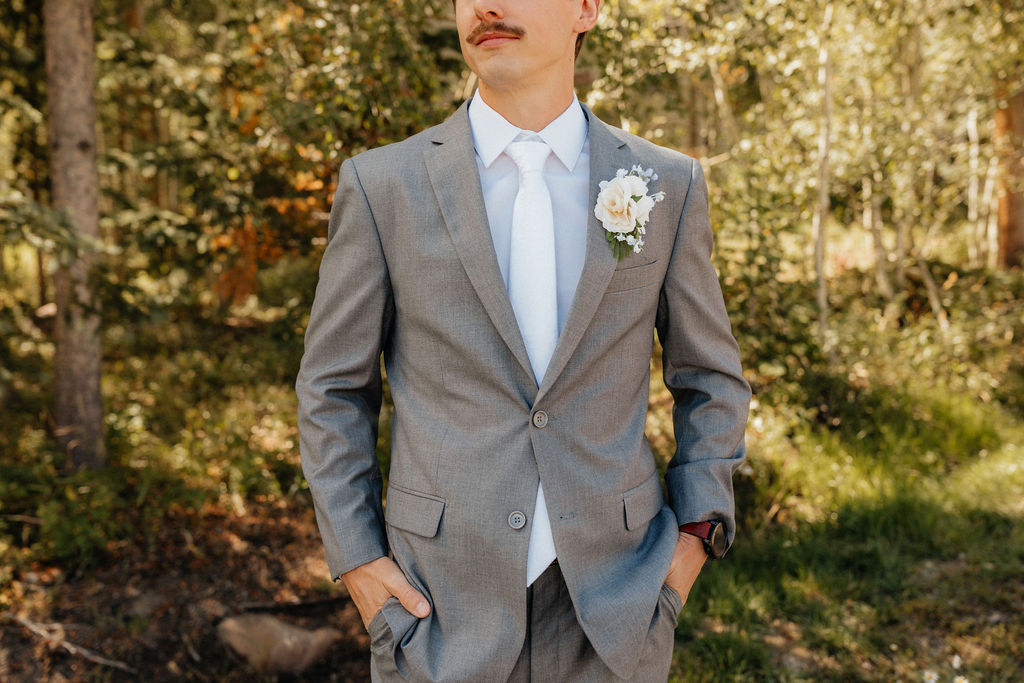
[512,264]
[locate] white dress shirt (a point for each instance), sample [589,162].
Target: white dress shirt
[567,174]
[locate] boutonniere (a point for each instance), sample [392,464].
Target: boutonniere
[623,207]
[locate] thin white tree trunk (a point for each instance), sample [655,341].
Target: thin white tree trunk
[725,112]
[824,150]
[977,240]
[872,222]
[991,220]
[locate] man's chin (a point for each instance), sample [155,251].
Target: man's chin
[499,74]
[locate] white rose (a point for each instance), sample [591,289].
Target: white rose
[615,206]
[637,185]
[643,209]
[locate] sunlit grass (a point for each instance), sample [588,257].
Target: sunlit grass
[881,519]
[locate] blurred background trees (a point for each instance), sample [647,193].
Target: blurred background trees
[221,128]
[865,164]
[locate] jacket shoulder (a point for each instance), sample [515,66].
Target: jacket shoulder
[387,158]
[397,155]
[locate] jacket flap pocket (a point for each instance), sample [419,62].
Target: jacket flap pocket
[634,277]
[643,502]
[418,513]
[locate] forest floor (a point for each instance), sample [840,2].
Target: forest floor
[155,607]
[881,508]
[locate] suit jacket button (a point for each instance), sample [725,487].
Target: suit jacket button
[540,419]
[517,520]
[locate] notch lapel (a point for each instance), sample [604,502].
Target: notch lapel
[451,167]
[608,153]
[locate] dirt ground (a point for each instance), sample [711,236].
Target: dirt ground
[154,606]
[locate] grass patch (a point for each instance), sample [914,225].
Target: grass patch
[880,510]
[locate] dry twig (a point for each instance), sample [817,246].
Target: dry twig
[26,519]
[44,631]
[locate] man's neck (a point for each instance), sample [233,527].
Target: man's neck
[528,108]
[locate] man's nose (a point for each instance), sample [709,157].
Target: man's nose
[489,10]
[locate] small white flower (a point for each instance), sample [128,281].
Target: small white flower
[957,661]
[931,677]
[960,679]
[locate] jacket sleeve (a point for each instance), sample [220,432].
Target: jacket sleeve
[339,382]
[702,371]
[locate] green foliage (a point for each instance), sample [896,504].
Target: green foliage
[248,108]
[187,426]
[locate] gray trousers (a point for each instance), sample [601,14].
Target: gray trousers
[556,649]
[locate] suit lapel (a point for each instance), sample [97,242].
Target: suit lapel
[451,167]
[608,153]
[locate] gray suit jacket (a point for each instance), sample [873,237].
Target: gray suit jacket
[410,271]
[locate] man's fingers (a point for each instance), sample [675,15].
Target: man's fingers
[371,584]
[411,599]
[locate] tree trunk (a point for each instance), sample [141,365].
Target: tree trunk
[872,221]
[1010,135]
[871,193]
[991,222]
[976,245]
[824,149]
[44,295]
[934,295]
[694,131]
[725,112]
[78,409]
[134,13]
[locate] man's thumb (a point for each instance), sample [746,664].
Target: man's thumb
[411,599]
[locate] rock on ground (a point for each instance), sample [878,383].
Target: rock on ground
[269,644]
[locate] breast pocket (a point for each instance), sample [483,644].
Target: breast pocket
[635,277]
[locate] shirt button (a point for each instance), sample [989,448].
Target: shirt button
[540,419]
[517,520]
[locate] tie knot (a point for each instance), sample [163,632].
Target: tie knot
[528,155]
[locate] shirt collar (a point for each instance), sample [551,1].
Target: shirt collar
[492,133]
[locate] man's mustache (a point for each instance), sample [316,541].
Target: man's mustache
[494,27]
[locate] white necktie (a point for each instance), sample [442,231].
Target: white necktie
[532,291]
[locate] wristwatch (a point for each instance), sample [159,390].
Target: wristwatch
[711,534]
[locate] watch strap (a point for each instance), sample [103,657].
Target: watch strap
[698,529]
